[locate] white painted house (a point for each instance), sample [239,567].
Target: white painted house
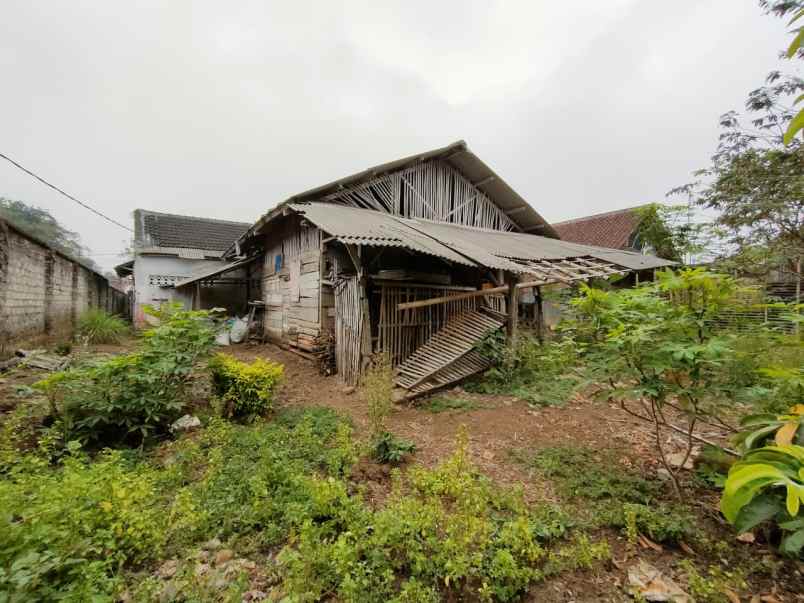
[169,248]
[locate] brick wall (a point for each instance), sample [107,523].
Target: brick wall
[43,292]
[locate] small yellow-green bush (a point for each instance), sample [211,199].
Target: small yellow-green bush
[66,533]
[246,389]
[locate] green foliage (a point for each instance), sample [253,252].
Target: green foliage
[713,586]
[784,429]
[41,224]
[133,395]
[387,448]
[253,481]
[246,389]
[446,531]
[667,231]
[583,473]
[767,484]
[377,383]
[613,496]
[542,374]
[657,345]
[96,326]
[439,404]
[64,533]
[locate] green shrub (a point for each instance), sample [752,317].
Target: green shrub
[247,389]
[387,448]
[96,326]
[446,531]
[543,374]
[134,396]
[65,533]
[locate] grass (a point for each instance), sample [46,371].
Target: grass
[96,326]
[440,404]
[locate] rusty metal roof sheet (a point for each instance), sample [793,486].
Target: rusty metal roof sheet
[465,245]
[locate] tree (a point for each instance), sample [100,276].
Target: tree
[668,231]
[782,8]
[41,224]
[756,184]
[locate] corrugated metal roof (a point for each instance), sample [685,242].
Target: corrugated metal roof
[365,227]
[208,272]
[468,246]
[456,155]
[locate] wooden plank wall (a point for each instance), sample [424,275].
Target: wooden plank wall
[292,310]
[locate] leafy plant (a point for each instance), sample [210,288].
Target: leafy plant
[656,347]
[784,429]
[96,326]
[246,389]
[133,395]
[768,484]
[387,448]
[542,374]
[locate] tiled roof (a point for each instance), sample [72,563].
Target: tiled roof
[613,229]
[155,229]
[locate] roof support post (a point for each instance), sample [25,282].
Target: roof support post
[539,315]
[513,307]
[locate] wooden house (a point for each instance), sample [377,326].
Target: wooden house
[417,259]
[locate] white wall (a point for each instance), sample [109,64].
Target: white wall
[147,267]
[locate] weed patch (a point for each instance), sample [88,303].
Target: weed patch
[441,404]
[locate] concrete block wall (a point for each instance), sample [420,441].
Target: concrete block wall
[42,292]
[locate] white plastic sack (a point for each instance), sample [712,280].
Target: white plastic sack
[239,330]
[222,338]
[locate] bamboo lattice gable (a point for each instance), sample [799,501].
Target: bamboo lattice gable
[433,191]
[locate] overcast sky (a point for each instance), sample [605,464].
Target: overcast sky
[223,109]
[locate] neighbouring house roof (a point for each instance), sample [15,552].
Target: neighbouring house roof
[185,236]
[614,229]
[124,269]
[207,272]
[462,244]
[456,155]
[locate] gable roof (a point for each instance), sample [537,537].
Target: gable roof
[155,231]
[458,156]
[613,229]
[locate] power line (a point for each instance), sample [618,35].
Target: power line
[57,189]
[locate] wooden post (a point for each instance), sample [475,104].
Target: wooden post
[513,308]
[539,315]
[196,305]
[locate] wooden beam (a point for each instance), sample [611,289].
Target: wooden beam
[513,309]
[434,301]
